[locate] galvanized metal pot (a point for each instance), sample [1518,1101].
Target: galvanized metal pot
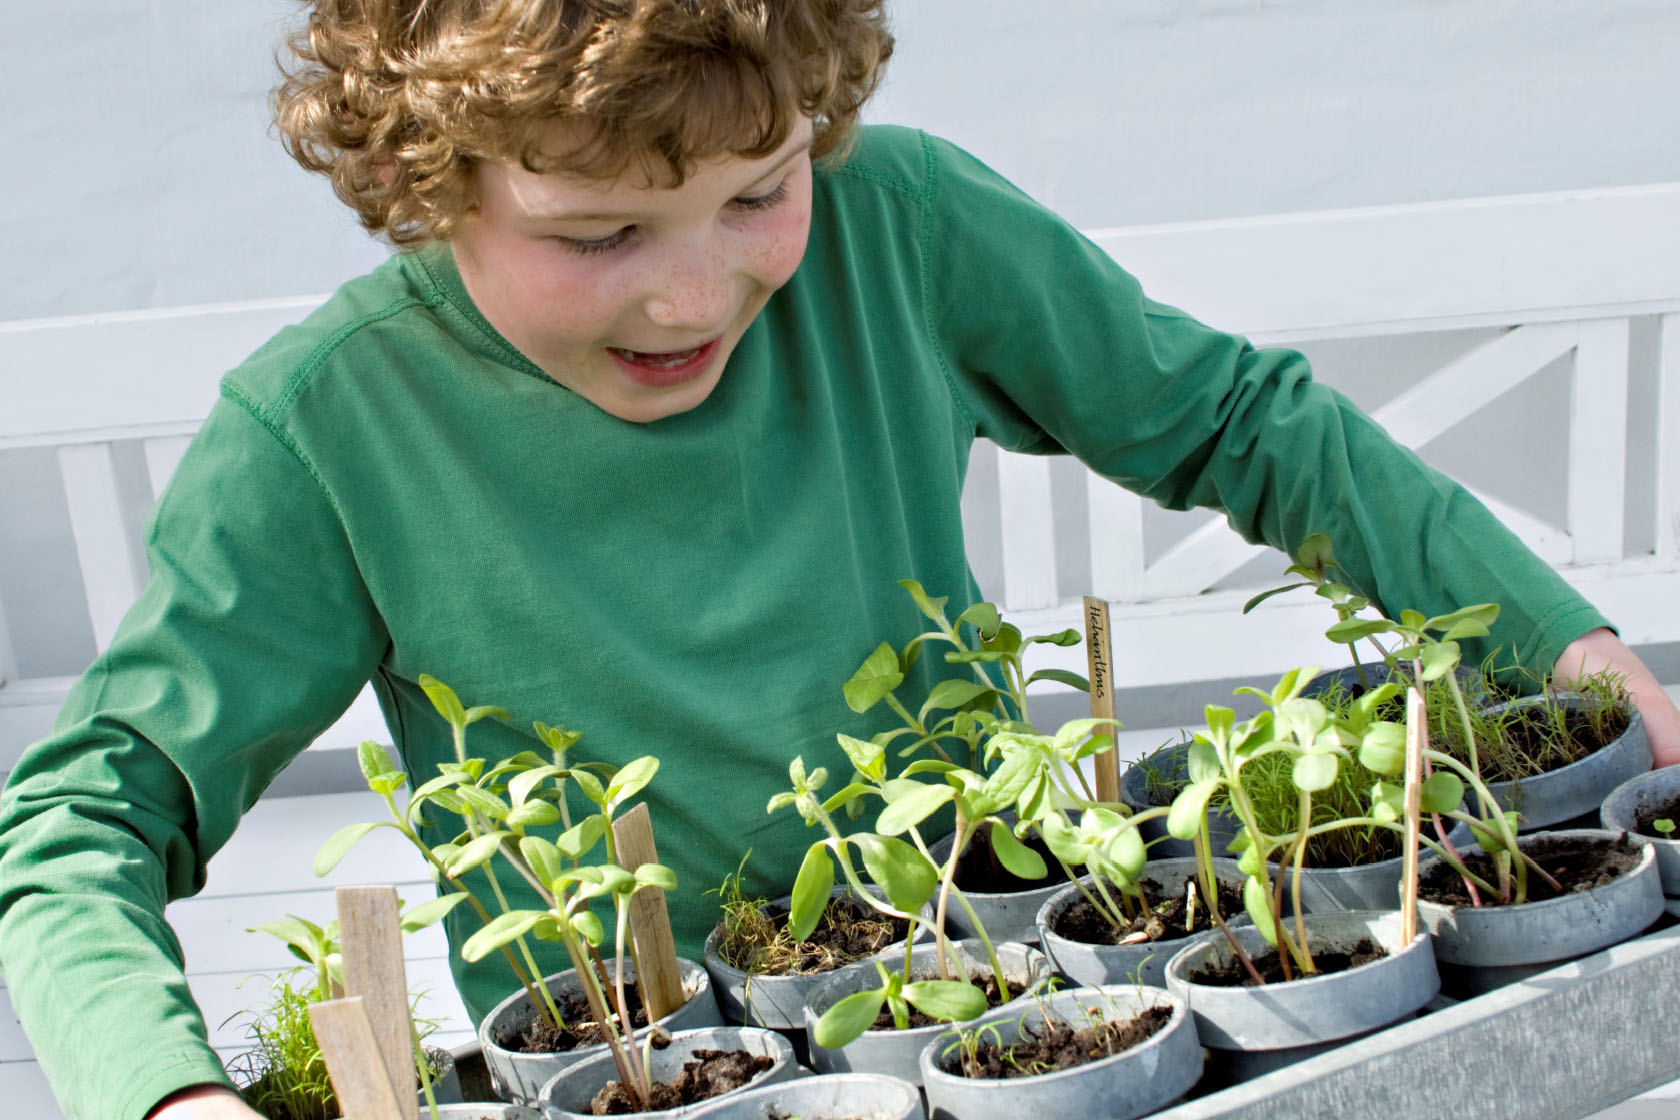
[567,1094]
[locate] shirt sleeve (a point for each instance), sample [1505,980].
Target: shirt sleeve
[254,632]
[1052,346]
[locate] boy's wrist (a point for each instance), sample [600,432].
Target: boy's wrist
[202,1102]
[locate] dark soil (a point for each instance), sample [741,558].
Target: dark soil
[979,871]
[1577,865]
[1058,1045]
[1669,811]
[710,1073]
[986,983]
[1327,960]
[540,1037]
[848,931]
[1083,923]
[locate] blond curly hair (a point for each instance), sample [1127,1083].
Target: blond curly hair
[396,100]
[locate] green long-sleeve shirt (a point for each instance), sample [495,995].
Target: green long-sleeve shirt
[390,489]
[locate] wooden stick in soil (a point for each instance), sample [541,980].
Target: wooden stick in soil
[1099,657]
[1417,735]
[370,930]
[354,1061]
[658,977]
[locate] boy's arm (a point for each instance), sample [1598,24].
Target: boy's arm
[203,1102]
[1602,649]
[253,633]
[1052,346]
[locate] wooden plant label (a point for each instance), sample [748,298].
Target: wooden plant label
[1417,735]
[658,978]
[1099,656]
[370,928]
[354,1062]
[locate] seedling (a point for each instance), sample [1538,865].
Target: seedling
[1665,826]
[500,808]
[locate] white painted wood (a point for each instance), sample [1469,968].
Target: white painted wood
[1117,546]
[1598,441]
[1029,532]
[24,1089]
[111,376]
[8,666]
[1551,543]
[1668,440]
[1447,396]
[1371,271]
[163,455]
[109,560]
[1205,556]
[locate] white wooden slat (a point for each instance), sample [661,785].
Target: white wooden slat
[1206,555]
[1354,273]
[97,377]
[8,660]
[163,455]
[1117,547]
[1433,405]
[214,931]
[274,847]
[1668,440]
[24,1089]
[1598,442]
[1029,536]
[108,558]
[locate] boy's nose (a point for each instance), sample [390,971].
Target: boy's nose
[693,293]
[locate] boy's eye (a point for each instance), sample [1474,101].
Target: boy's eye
[763,201]
[588,246]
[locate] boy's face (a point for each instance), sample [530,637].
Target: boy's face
[630,294]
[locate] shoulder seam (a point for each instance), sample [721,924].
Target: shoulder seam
[294,383]
[238,396]
[930,176]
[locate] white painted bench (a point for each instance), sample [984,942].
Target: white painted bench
[1571,299]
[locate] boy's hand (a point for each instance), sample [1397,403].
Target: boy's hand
[203,1102]
[1601,649]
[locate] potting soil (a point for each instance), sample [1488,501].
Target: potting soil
[710,1073]
[1669,811]
[1082,922]
[847,931]
[1326,959]
[542,1037]
[1057,1045]
[1577,864]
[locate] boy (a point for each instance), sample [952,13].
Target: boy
[636,437]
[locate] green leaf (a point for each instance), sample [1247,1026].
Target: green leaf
[543,858]
[1128,854]
[1352,630]
[1258,902]
[487,804]
[811,889]
[443,698]
[1442,792]
[899,869]
[340,843]
[387,783]
[1388,801]
[576,841]
[1019,859]
[1070,845]
[630,780]
[1184,819]
[483,711]
[502,929]
[869,758]
[612,880]
[911,807]
[845,797]
[1466,622]
[841,1024]
[474,854]
[954,1001]
[1264,595]
[521,785]
[1314,771]
[590,786]
[1250,861]
[956,693]
[1382,750]
[1439,659]
[373,760]
[933,608]
[656,875]
[929,766]
[431,911]
[874,681]
[533,814]
[1063,638]
[984,617]
[587,925]
[1202,761]
[1315,553]
[1019,766]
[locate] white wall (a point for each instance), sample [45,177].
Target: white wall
[140,171]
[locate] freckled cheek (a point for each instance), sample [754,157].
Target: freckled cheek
[778,256]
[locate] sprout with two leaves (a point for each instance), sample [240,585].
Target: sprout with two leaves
[501,807]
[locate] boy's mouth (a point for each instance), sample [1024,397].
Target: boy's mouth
[662,369]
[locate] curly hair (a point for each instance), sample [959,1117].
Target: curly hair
[396,100]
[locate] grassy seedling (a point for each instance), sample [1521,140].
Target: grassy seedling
[283,1074]
[501,808]
[760,943]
